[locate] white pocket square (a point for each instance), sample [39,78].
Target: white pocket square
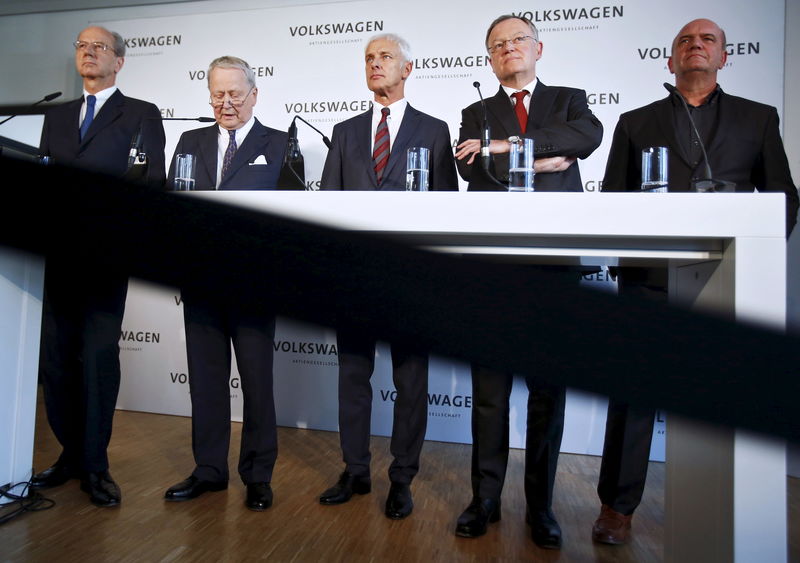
[260,160]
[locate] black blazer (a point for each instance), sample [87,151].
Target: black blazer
[107,143]
[243,175]
[745,148]
[560,122]
[349,162]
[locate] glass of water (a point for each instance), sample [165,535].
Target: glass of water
[655,169]
[417,160]
[520,166]
[184,172]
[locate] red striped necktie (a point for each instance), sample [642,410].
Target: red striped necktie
[380,154]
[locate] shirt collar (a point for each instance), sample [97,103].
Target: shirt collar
[711,99]
[395,109]
[103,95]
[530,87]
[241,132]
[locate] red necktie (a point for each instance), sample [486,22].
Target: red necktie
[380,154]
[519,109]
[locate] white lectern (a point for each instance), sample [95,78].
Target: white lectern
[21,286]
[726,489]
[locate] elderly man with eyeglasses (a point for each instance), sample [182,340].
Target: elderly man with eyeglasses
[236,153]
[564,129]
[84,301]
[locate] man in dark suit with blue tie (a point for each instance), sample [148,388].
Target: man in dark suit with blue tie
[237,153]
[84,302]
[564,129]
[369,153]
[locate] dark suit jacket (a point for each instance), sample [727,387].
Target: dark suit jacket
[349,162]
[745,148]
[560,122]
[107,142]
[242,175]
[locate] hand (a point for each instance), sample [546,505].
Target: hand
[472,147]
[552,164]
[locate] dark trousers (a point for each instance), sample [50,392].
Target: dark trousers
[626,452]
[410,376]
[491,391]
[210,329]
[79,359]
[629,429]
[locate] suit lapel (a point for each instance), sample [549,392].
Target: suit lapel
[108,114]
[363,134]
[663,110]
[71,122]
[725,116]
[499,106]
[400,145]
[208,154]
[254,144]
[542,101]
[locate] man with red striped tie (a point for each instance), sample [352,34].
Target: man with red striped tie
[368,152]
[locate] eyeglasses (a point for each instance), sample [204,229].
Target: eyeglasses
[236,100]
[92,45]
[516,42]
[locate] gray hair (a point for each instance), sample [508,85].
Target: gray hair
[405,48]
[505,17]
[119,43]
[232,62]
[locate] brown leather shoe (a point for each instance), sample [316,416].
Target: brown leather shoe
[611,527]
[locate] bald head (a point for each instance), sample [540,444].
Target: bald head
[698,52]
[700,23]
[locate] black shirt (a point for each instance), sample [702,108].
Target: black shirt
[706,119]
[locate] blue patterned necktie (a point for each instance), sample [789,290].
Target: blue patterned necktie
[89,117]
[229,152]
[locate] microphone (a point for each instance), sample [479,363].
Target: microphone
[486,138]
[47,98]
[485,179]
[135,150]
[289,178]
[200,119]
[325,139]
[706,182]
[293,148]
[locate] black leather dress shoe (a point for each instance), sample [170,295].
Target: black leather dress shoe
[55,475]
[102,489]
[192,488]
[399,503]
[259,496]
[346,487]
[545,531]
[473,521]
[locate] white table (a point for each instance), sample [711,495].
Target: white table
[726,488]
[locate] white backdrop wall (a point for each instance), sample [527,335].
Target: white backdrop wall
[309,61]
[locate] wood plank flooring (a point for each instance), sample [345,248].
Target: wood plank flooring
[151,452]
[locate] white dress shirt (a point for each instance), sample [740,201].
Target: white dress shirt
[393,120]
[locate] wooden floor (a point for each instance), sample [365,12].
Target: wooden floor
[151,452]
